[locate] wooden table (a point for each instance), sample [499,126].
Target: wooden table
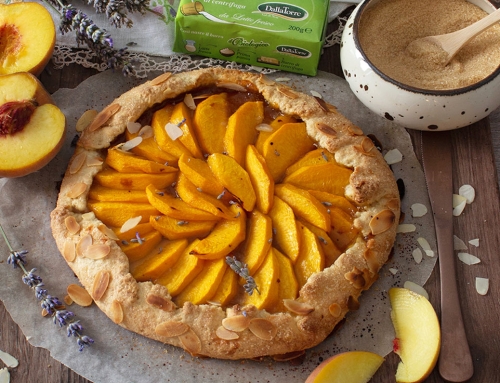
[473,164]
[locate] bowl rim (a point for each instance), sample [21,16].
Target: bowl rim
[413,89]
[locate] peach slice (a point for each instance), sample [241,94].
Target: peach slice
[210,121]
[351,366]
[28,37]
[32,129]
[418,335]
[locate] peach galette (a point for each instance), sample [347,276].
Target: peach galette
[227,214]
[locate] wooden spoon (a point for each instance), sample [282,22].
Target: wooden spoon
[452,42]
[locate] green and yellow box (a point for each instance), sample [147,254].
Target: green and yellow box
[287,35]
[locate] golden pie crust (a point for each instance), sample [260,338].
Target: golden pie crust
[147,308]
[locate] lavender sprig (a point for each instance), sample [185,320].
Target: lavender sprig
[52,305]
[241,269]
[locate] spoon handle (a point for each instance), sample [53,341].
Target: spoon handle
[455,40]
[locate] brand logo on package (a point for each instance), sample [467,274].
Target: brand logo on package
[293,51]
[284,10]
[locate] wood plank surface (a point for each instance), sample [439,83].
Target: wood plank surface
[474,164]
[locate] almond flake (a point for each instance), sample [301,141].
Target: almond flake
[133,127]
[103,116]
[76,190]
[418,210]
[416,289]
[160,79]
[116,313]
[82,245]
[382,222]
[77,163]
[459,208]
[425,246]
[189,101]
[146,132]
[474,242]
[468,259]
[79,295]
[355,130]
[406,228]
[262,328]
[417,255]
[69,251]
[171,329]
[131,144]
[299,308]
[224,333]
[264,128]
[71,224]
[335,310]
[108,232]
[287,92]
[97,251]
[130,224]
[94,161]
[8,360]
[457,200]
[236,323]
[482,285]
[88,216]
[458,244]
[85,120]
[393,271]
[4,375]
[173,131]
[282,79]
[159,302]
[468,193]
[232,86]
[393,156]
[191,342]
[100,284]
[316,94]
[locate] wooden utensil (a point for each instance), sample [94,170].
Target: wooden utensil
[455,360]
[452,42]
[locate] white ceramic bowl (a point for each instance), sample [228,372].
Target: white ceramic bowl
[408,106]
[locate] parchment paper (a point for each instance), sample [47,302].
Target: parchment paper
[121,356]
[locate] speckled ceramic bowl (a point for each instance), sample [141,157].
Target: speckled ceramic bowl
[408,106]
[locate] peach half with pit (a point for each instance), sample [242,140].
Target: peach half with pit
[27,37]
[32,128]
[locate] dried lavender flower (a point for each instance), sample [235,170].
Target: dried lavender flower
[241,269]
[52,305]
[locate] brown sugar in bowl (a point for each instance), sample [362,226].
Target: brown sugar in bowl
[415,91]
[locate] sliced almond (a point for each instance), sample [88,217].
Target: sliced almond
[316,94]
[94,161]
[82,245]
[299,308]
[468,259]
[417,255]
[458,244]
[79,295]
[282,79]
[72,225]
[100,285]
[328,130]
[108,232]
[482,285]
[69,251]
[225,334]
[76,190]
[457,210]
[160,302]
[103,117]
[335,310]
[85,120]
[468,192]
[97,251]
[236,323]
[173,131]
[474,242]
[406,228]
[191,342]
[288,92]
[133,127]
[116,312]
[160,79]
[77,163]
[8,360]
[382,222]
[189,101]
[458,200]
[393,270]
[146,132]
[355,130]
[418,210]
[393,156]
[171,328]
[131,144]
[262,328]
[425,246]
[356,278]
[264,128]
[130,224]
[232,86]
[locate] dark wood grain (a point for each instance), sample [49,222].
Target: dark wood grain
[473,164]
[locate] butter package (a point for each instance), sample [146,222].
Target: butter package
[287,35]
